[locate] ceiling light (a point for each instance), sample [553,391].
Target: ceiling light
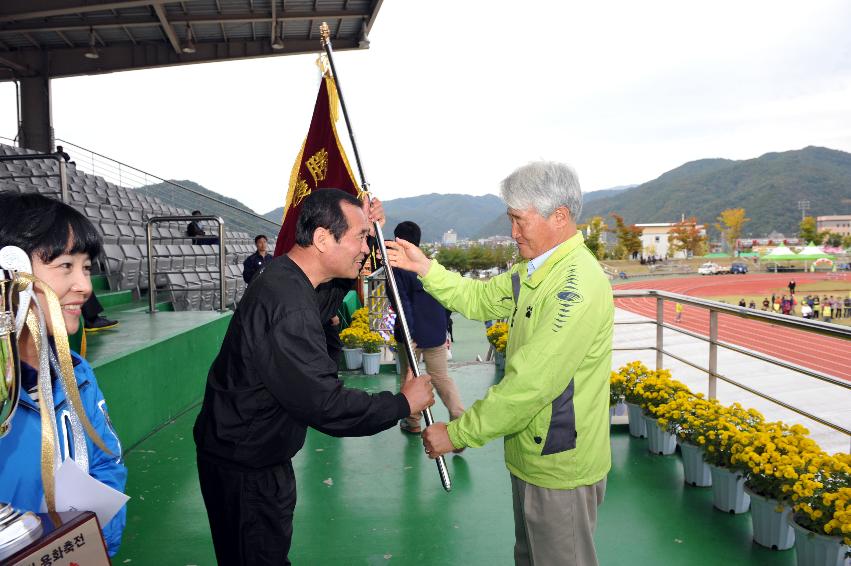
[91,52]
[188,44]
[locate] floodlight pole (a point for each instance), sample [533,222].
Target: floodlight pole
[379,234]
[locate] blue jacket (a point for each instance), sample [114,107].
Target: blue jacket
[20,450]
[427,320]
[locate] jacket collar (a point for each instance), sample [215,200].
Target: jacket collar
[562,251]
[81,377]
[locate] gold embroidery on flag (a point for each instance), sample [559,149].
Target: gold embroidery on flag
[302,190]
[318,166]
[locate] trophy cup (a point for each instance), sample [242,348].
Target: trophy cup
[17,529]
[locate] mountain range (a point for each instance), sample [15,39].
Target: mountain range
[767,187]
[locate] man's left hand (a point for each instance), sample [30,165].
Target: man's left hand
[374,211]
[436,440]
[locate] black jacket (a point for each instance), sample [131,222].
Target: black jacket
[273,377]
[427,320]
[253,265]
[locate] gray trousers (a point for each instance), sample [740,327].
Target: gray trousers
[555,526]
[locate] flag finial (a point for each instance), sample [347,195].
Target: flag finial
[325,32]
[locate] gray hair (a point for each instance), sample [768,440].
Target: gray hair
[544,186]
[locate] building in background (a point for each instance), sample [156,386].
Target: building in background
[840,224]
[654,240]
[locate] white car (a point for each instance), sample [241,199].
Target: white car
[708,268]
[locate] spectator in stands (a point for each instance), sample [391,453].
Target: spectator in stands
[847,302]
[428,323]
[742,302]
[752,304]
[198,234]
[92,320]
[259,401]
[765,304]
[816,307]
[806,311]
[837,307]
[792,285]
[61,244]
[256,262]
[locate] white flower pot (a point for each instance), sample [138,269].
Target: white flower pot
[353,357]
[813,549]
[771,527]
[499,360]
[728,490]
[695,469]
[371,363]
[659,441]
[637,427]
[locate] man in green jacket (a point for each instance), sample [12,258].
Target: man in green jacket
[552,406]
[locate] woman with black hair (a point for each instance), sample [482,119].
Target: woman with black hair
[61,244]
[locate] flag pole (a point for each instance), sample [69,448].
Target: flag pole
[391,280]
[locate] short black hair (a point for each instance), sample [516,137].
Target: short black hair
[258,236]
[43,226]
[196,213]
[408,231]
[323,209]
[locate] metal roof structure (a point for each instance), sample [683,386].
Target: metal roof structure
[62,38]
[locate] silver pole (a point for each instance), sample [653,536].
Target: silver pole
[713,354]
[379,234]
[63,179]
[152,288]
[660,331]
[222,281]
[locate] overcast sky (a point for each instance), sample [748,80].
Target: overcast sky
[452,96]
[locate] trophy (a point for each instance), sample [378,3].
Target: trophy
[17,529]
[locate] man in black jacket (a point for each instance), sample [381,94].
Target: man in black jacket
[256,262]
[273,378]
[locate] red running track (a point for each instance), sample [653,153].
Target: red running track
[822,353]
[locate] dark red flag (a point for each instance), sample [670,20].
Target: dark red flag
[321,164]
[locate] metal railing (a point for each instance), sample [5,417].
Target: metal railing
[714,308]
[58,156]
[152,289]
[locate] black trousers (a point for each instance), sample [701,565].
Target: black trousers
[91,309]
[250,512]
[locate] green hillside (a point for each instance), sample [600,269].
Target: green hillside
[436,214]
[234,220]
[768,188]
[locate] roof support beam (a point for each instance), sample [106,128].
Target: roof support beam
[169,31]
[12,10]
[145,21]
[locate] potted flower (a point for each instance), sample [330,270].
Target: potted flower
[634,373]
[617,390]
[352,339]
[371,343]
[686,415]
[773,456]
[731,426]
[497,335]
[822,510]
[654,391]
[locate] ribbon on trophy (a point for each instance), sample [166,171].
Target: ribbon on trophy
[32,313]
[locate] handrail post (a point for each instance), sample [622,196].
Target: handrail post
[152,288]
[222,280]
[713,353]
[660,331]
[63,179]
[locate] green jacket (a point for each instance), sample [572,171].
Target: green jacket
[552,406]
